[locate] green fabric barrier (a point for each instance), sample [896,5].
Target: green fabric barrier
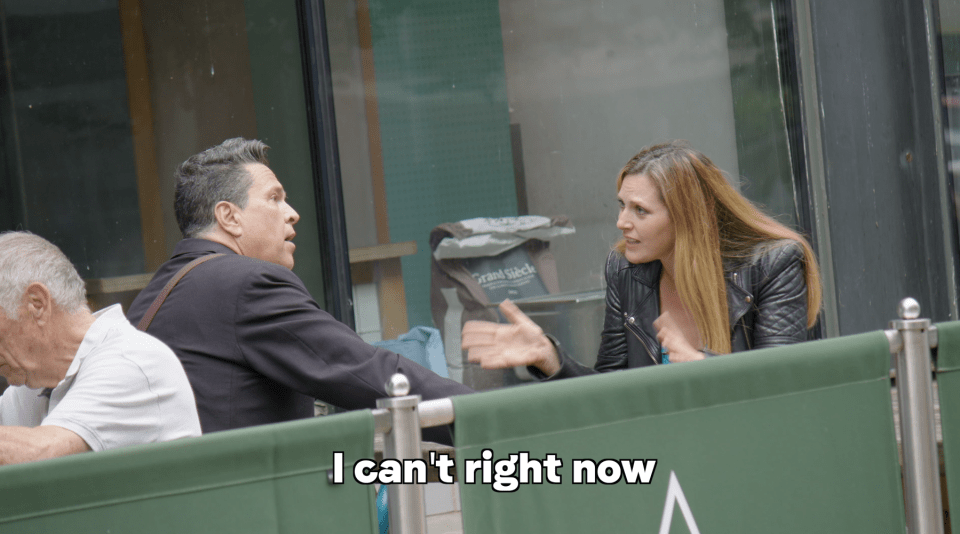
[268,479]
[792,439]
[948,382]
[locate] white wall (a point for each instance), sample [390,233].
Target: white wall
[591,82]
[352,136]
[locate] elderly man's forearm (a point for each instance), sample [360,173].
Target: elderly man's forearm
[20,444]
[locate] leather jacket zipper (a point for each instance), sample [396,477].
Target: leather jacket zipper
[642,342]
[746,338]
[743,321]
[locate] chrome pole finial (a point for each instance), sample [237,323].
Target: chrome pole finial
[398,385]
[908,308]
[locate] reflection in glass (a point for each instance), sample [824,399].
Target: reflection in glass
[69,172]
[101,100]
[950,45]
[460,109]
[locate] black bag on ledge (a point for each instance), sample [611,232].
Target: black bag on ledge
[476,264]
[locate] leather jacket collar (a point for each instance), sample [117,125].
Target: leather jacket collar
[737,279]
[773,274]
[766,300]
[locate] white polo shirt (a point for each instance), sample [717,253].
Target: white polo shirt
[124,387]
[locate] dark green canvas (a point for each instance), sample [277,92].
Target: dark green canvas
[268,479]
[793,439]
[948,381]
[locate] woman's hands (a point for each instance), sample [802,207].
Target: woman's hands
[522,342]
[498,346]
[671,337]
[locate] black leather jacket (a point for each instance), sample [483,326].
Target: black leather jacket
[766,298]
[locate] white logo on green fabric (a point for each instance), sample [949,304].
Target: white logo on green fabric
[675,496]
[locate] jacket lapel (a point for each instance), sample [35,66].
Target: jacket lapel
[739,299]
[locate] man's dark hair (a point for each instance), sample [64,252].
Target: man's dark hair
[218,173]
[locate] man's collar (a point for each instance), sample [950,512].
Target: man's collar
[104,321]
[194,245]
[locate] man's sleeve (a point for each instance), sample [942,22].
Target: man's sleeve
[5,402]
[283,334]
[109,405]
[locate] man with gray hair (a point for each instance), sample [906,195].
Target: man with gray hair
[80,381]
[256,346]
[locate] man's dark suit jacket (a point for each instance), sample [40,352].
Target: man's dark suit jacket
[258,349]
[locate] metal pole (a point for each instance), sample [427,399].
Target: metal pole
[402,442]
[435,412]
[921,469]
[816,166]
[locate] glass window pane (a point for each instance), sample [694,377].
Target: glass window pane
[66,119]
[950,43]
[102,100]
[460,109]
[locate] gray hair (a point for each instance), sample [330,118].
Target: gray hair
[26,258]
[216,174]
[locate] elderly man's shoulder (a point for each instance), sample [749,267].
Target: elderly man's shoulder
[113,337]
[124,387]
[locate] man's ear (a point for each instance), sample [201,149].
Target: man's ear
[38,302]
[229,217]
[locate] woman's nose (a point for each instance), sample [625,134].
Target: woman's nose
[622,222]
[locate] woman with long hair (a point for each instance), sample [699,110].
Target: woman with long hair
[700,271]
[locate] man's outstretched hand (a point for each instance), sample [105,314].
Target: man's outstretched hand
[519,343]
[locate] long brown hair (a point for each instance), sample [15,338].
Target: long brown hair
[712,221]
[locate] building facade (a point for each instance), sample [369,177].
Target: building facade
[387,118]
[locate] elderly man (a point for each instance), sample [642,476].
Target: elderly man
[79,381]
[256,346]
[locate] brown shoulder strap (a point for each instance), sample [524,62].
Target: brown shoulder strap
[155,307]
